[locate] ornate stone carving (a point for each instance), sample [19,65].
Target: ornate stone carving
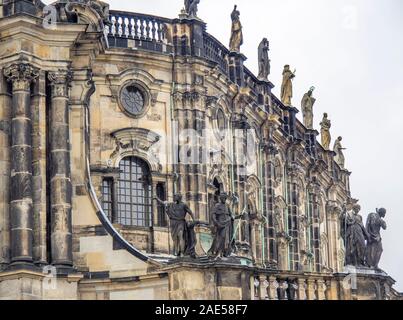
[295,171]
[60,82]
[21,75]
[279,207]
[137,142]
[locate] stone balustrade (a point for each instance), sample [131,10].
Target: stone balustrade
[286,286]
[137,26]
[216,52]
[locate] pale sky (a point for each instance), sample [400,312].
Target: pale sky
[352,52]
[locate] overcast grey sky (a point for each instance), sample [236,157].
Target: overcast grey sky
[352,52]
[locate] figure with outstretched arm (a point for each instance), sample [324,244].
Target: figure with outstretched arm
[177,212]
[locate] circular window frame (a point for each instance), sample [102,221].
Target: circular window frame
[146,96]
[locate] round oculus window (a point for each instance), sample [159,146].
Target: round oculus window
[132,99]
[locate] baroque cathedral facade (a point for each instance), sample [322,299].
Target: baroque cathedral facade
[105,115]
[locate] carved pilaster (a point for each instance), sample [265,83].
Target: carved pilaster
[21,75]
[60,175]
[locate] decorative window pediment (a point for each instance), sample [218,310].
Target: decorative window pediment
[138,142]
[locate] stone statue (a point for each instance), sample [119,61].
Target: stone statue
[264,61]
[191,7]
[307,104]
[286,86]
[338,149]
[223,231]
[325,131]
[354,235]
[374,225]
[236,31]
[182,232]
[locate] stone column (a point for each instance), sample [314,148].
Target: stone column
[5,165]
[21,202]
[60,171]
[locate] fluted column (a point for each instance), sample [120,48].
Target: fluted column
[60,172]
[21,202]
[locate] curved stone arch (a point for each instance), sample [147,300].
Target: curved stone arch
[135,142]
[253,185]
[221,178]
[254,181]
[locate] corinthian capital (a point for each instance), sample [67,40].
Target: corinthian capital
[21,75]
[60,82]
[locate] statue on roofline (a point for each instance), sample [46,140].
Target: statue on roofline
[307,104]
[191,7]
[375,222]
[264,61]
[338,149]
[286,86]
[236,31]
[325,125]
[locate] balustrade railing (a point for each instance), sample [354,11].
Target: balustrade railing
[290,287]
[137,26]
[216,52]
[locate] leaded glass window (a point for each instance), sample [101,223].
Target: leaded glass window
[134,193]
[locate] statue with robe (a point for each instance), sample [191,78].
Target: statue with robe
[354,235]
[191,7]
[182,232]
[236,31]
[286,86]
[375,222]
[325,131]
[338,149]
[307,104]
[264,61]
[223,229]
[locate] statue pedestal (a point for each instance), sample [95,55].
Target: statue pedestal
[360,283]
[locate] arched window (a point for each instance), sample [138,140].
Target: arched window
[134,193]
